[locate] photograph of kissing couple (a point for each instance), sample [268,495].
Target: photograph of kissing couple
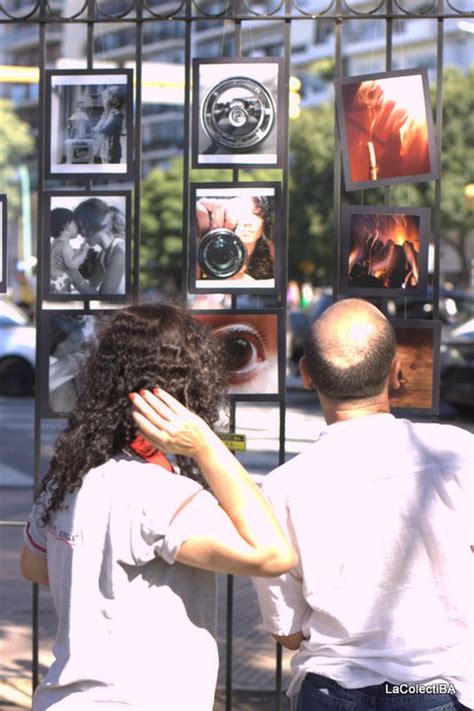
[87,246]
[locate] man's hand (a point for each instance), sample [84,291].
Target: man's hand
[168,425]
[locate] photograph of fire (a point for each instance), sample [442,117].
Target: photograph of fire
[418,350]
[386,129]
[384,249]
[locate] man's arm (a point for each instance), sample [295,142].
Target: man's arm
[289,641]
[34,567]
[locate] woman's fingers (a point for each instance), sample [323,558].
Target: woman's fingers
[159,438]
[155,415]
[173,404]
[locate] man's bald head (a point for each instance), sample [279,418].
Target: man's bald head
[349,351]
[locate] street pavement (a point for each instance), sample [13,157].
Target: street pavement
[253,652]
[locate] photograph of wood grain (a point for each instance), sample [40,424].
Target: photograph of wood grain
[418,350]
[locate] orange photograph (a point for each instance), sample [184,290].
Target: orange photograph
[418,351]
[386,129]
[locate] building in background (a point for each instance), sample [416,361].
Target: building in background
[163,129]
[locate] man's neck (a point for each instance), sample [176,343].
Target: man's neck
[336,411]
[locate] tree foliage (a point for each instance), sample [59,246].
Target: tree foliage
[16,145]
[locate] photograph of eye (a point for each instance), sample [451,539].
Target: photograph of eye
[417,349]
[386,128]
[384,250]
[238,112]
[249,342]
[235,238]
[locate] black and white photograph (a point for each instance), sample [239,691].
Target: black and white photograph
[386,128]
[87,245]
[384,251]
[253,350]
[89,123]
[235,243]
[67,338]
[3,244]
[240,112]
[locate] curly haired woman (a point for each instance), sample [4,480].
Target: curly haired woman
[128,546]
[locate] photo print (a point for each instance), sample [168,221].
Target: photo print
[67,338]
[384,251]
[235,238]
[386,129]
[239,112]
[418,344]
[253,351]
[3,244]
[89,123]
[87,245]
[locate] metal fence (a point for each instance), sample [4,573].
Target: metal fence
[139,17]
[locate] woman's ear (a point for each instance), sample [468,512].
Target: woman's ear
[395,374]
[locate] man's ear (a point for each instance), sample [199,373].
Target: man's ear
[307,382]
[395,374]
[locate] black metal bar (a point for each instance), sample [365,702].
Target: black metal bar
[283,303]
[186,152]
[40,275]
[229,657]
[337,160]
[388,66]
[439,128]
[137,154]
[229,622]
[462,14]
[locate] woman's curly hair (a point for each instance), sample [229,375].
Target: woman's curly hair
[140,347]
[261,263]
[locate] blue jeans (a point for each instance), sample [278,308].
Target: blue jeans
[319,693]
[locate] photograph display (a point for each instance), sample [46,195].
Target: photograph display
[68,337]
[386,129]
[3,244]
[384,250]
[235,238]
[89,123]
[87,238]
[418,344]
[253,349]
[239,112]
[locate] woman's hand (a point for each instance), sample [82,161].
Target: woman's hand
[169,426]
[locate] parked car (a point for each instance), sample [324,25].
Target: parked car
[17,351]
[457,366]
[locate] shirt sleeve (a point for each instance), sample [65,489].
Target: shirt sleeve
[168,512]
[281,600]
[34,534]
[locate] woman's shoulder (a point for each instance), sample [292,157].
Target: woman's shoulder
[135,473]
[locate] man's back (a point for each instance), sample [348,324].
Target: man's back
[379,510]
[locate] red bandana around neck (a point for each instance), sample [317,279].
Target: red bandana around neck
[142,448]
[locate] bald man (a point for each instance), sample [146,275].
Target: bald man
[379,608]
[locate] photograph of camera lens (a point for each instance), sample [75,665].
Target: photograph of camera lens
[234,233]
[238,113]
[221,254]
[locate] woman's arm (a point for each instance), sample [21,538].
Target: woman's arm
[244,537]
[34,567]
